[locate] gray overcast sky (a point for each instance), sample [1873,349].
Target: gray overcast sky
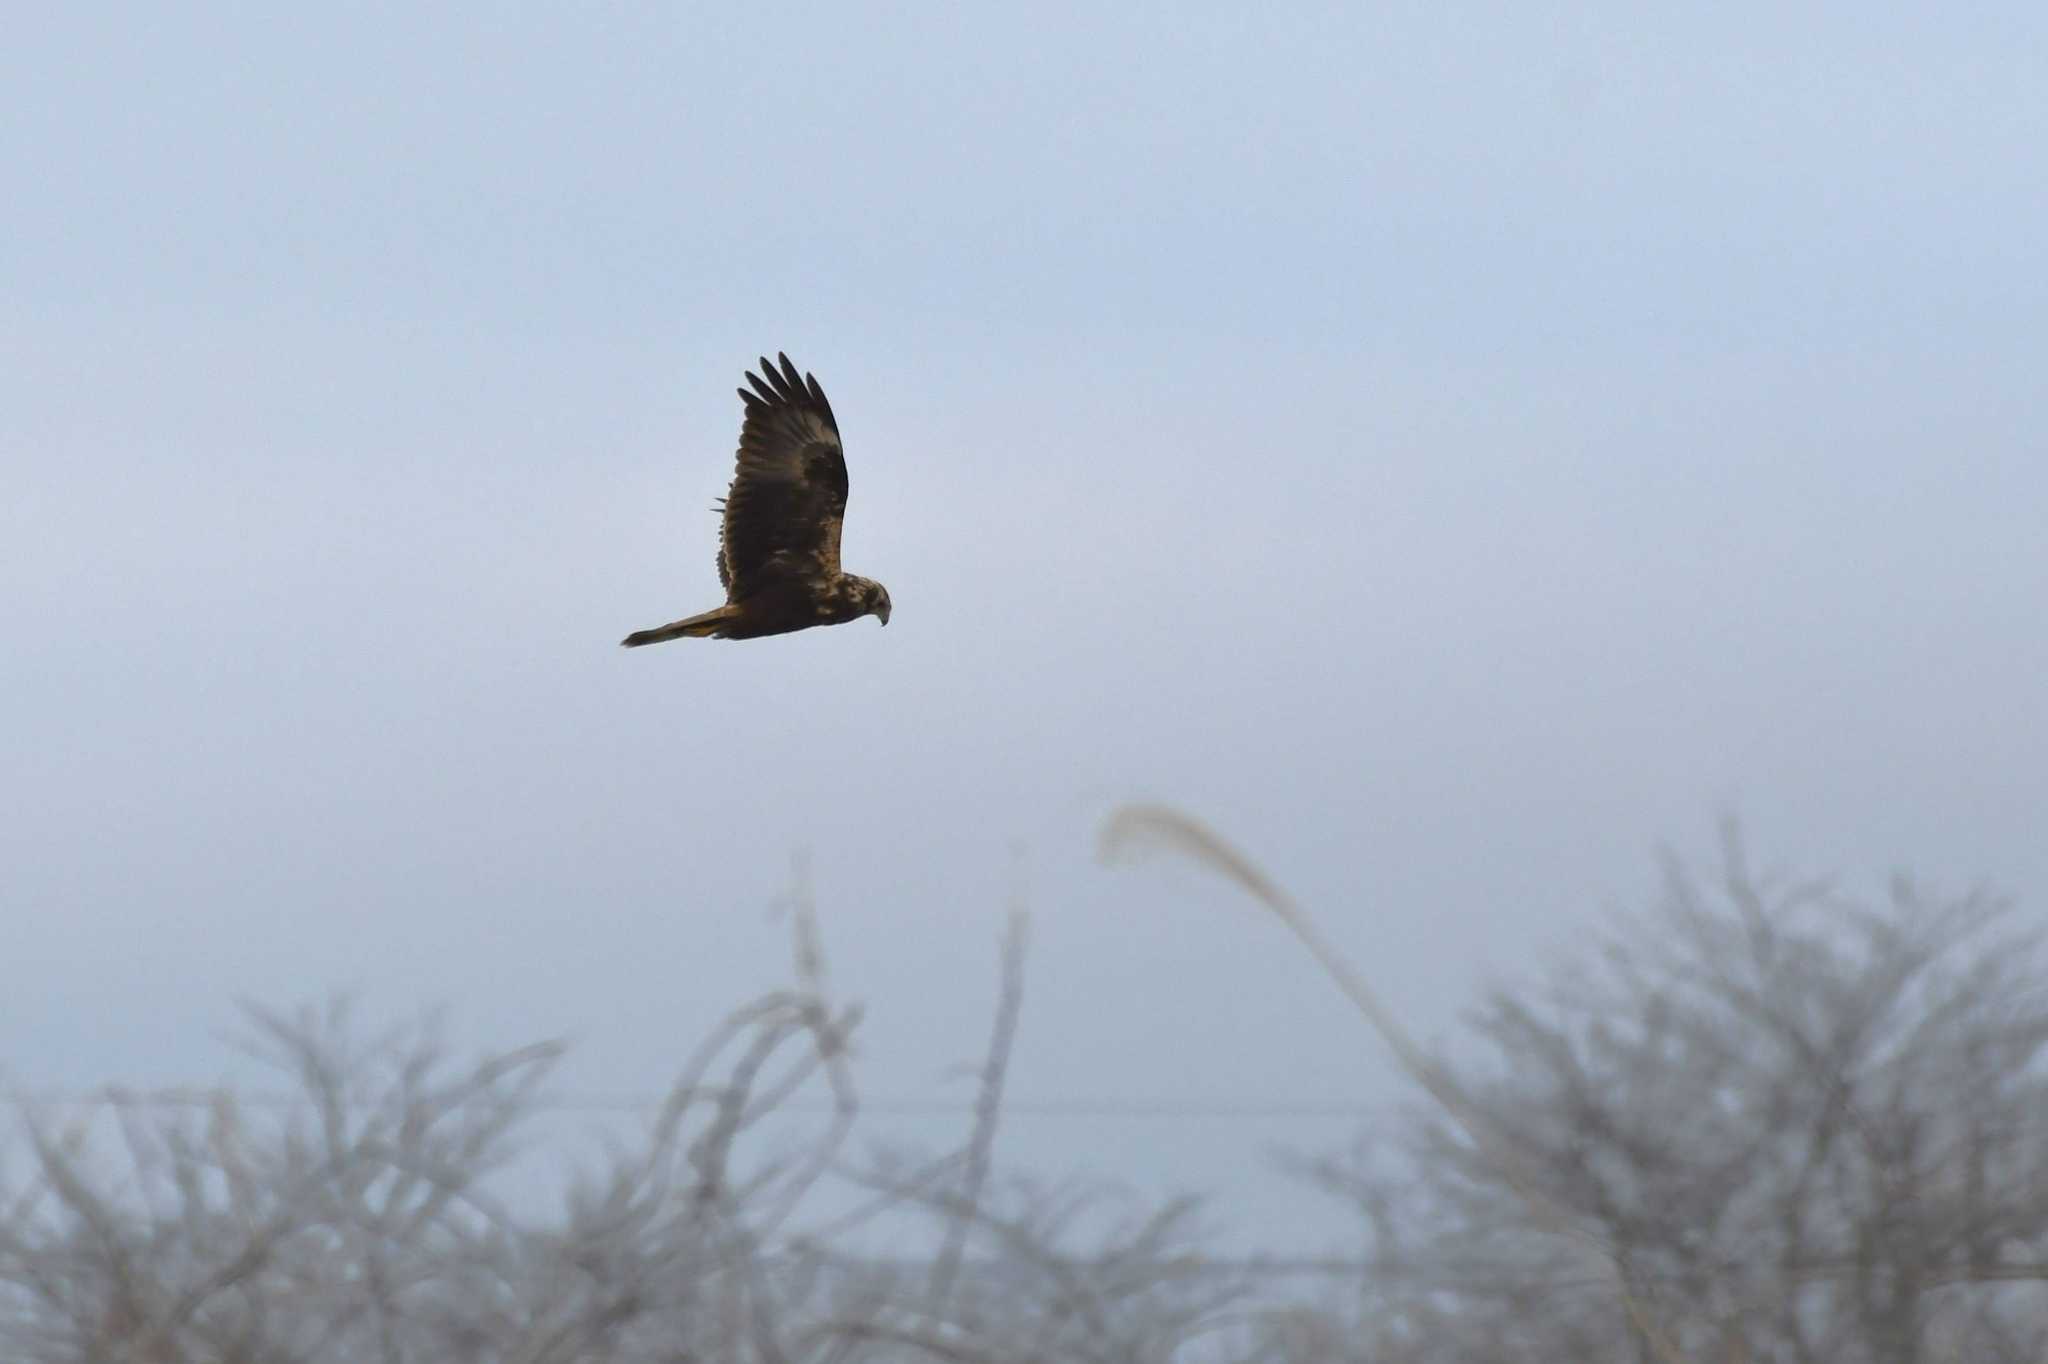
[1451,448]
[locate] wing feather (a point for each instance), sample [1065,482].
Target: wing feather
[788,496]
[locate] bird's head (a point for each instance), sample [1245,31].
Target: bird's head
[877,599]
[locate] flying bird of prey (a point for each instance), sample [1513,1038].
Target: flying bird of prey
[778,550]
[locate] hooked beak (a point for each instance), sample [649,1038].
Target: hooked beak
[882,614]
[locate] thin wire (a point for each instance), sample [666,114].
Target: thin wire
[1139,1108]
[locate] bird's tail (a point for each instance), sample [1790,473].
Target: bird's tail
[707,625]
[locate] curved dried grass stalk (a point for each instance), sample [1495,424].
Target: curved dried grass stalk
[1135,829]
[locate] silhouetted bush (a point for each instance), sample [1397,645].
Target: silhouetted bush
[1798,1126]
[1765,1123]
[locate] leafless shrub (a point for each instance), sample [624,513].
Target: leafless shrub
[1802,1127]
[352,1221]
[1770,1123]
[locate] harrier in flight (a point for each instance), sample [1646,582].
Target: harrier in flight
[778,551]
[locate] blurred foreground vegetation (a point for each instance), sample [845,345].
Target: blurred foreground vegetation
[1761,1121]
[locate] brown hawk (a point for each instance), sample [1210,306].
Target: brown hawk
[778,549]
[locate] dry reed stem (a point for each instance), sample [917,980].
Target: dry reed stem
[988,1105]
[1136,828]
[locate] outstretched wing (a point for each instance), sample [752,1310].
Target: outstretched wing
[788,495]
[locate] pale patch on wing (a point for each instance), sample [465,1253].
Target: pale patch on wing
[828,546]
[816,430]
[787,457]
